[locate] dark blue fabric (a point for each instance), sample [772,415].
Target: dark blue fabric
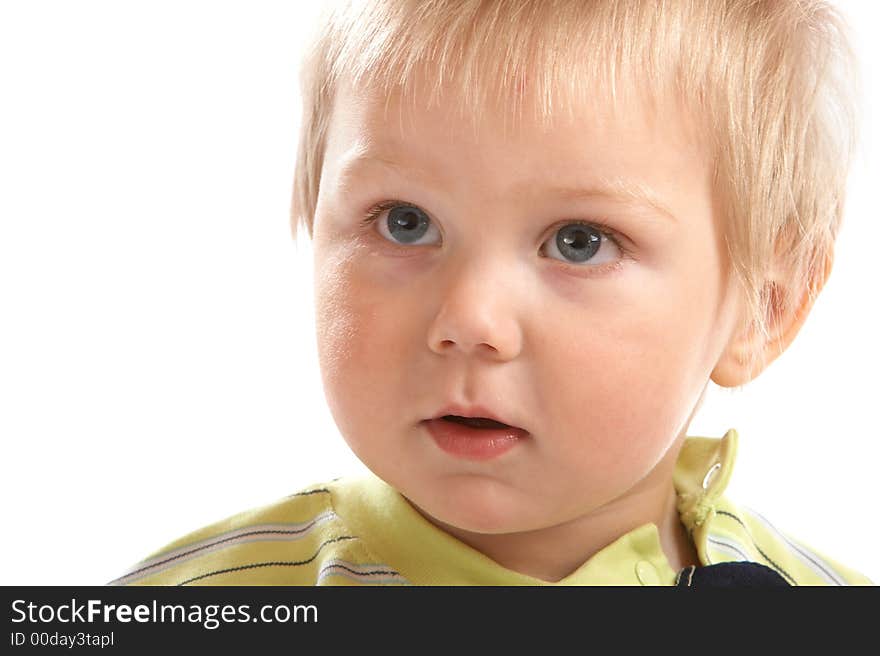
[730,575]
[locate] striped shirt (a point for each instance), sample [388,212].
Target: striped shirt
[360,531]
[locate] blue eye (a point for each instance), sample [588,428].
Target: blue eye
[573,243]
[578,243]
[405,224]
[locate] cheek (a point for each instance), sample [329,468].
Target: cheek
[622,381]
[337,325]
[359,333]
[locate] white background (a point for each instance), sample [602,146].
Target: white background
[157,359]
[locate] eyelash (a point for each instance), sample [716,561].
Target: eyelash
[374,212]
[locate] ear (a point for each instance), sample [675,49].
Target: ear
[748,353]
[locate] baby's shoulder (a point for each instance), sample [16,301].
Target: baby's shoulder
[288,542]
[735,533]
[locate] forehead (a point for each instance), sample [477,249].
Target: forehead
[457,110]
[640,145]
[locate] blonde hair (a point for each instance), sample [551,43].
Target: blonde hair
[771,83]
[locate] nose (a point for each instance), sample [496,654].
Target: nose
[477,315]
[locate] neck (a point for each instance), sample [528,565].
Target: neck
[550,554]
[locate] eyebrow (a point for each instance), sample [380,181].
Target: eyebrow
[612,188]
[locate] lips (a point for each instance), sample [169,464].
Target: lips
[473,433]
[476,416]
[462,441]
[476,422]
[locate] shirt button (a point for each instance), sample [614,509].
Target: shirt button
[710,475]
[646,573]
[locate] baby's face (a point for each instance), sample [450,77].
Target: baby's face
[590,320]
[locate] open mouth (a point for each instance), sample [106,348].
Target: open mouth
[475,422]
[474,438]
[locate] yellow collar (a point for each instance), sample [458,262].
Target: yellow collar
[398,535]
[702,473]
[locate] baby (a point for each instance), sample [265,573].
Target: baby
[540,228]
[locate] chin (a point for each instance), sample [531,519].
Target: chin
[475,507]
